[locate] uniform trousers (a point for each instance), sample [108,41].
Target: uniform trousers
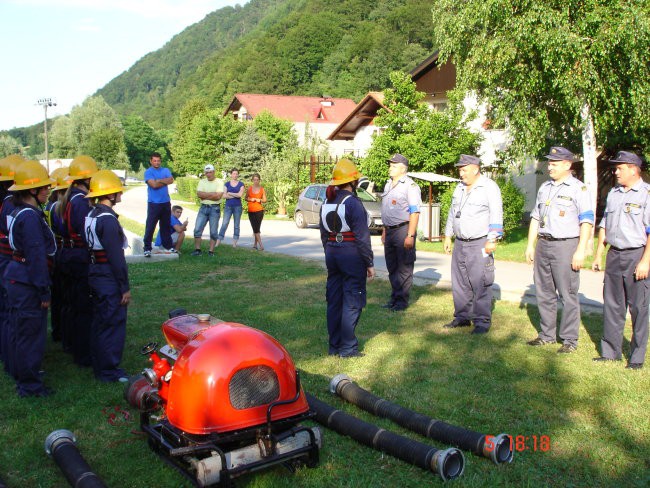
[620,293]
[108,331]
[553,276]
[4,319]
[346,296]
[77,311]
[472,275]
[27,336]
[400,263]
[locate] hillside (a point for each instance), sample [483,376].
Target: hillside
[303,47]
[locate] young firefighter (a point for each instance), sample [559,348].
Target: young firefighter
[108,277]
[28,278]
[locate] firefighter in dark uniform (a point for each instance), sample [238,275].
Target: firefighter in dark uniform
[8,167]
[476,220]
[74,260]
[27,277]
[626,228]
[561,223]
[348,256]
[400,211]
[60,175]
[108,277]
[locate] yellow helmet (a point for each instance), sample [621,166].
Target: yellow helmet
[8,166]
[60,175]
[30,174]
[82,167]
[345,171]
[104,182]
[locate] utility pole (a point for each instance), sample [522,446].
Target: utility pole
[46,102]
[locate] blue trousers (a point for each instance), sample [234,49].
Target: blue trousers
[161,214]
[108,331]
[78,311]
[207,213]
[227,212]
[346,296]
[27,335]
[4,318]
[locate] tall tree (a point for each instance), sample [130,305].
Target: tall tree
[9,145]
[141,140]
[559,70]
[431,140]
[249,152]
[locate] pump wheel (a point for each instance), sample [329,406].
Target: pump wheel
[149,348]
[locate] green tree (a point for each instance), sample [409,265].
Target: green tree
[563,71]
[431,140]
[249,152]
[141,140]
[277,131]
[9,145]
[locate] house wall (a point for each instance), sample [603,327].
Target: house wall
[322,131]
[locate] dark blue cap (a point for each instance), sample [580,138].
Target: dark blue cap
[465,159]
[627,157]
[559,153]
[398,158]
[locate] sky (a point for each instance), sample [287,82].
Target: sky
[66,50]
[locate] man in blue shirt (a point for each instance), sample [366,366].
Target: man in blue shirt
[159,206]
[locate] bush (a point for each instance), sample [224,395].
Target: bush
[186,188]
[513,205]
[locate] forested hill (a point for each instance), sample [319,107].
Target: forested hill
[342,48]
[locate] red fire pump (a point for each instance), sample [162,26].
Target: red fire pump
[222,399]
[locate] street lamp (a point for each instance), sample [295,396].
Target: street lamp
[46,102]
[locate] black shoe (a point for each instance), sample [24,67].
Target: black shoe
[567,349]
[538,341]
[210,254]
[388,305]
[45,392]
[355,354]
[479,330]
[634,366]
[602,359]
[457,323]
[398,308]
[196,252]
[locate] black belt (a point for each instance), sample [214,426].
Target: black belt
[213,205]
[402,224]
[547,237]
[626,249]
[470,240]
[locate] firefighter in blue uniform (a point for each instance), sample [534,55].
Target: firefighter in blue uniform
[108,277]
[476,220]
[60,175]
[400,212]
[28,278]
[8,167]
[74,260]
[626,228]
[348,256]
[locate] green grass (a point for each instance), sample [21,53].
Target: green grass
[595,415]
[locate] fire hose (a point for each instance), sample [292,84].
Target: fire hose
[497,448]
[60,445]
[449,464]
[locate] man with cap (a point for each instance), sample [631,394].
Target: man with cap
[476,220]
[561,224]
[625,227]
[400,211]
[209,191]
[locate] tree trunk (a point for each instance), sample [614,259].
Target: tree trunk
[590,163]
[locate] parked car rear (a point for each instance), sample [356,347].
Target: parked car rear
[311,199]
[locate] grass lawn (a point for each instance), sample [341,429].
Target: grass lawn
[595,415]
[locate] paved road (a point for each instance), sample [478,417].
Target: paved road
[513,281]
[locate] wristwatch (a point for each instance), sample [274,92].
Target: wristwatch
[410,235]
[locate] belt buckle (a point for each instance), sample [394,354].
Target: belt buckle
[339,237]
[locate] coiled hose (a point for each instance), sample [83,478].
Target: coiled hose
[496,448]
[449,464]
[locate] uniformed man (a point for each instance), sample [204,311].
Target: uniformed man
[400,211]
[476,220]
[562,220]
[625,227]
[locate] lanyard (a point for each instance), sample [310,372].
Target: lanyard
[547,204]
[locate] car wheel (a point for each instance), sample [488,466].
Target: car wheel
[299,219]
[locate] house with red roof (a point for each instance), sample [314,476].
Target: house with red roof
[313,118]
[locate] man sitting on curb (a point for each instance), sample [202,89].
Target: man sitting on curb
[178,229]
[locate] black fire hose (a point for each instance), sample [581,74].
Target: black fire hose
[449,464]
[497,448]
[60,446]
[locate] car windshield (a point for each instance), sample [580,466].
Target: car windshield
[364,196]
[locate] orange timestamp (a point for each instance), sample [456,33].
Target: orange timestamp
[522,443]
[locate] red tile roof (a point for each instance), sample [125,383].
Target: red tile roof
[294,108]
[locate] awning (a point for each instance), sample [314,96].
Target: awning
[431,177]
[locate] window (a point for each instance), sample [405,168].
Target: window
[312,192]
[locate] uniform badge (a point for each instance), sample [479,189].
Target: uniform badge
[584,188]
[561,213]
[627,209]
[393,202]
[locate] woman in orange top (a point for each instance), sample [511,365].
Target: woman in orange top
[256,196]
